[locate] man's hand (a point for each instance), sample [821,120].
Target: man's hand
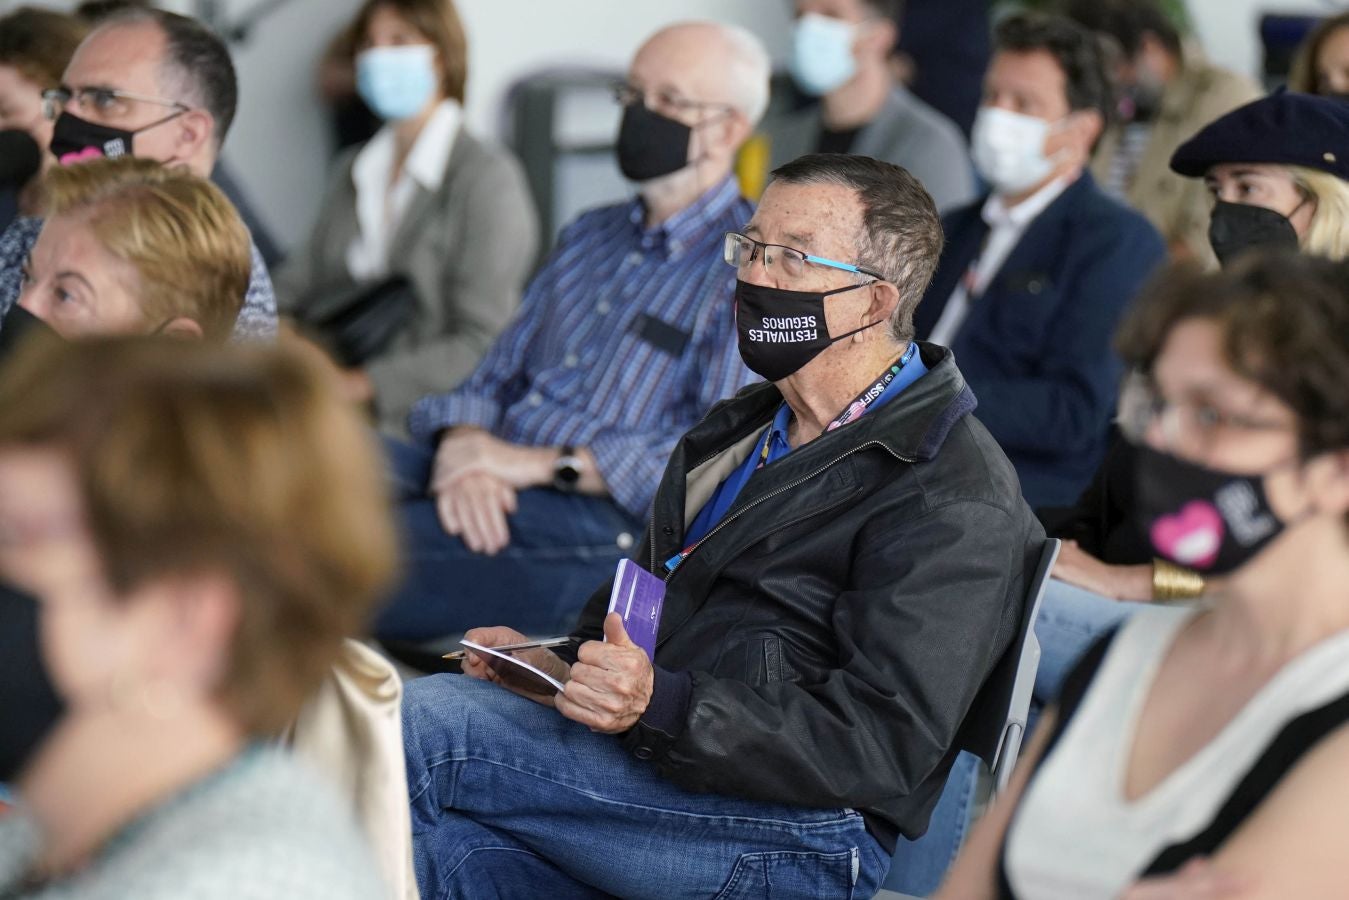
[1077,566]
[474,508]
[1197,880]
[465,450]
[610,684]
[476,666]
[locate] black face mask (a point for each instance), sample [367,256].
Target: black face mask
[780,331]
[651,145]
[31,707]
[1237,227]
[73,135]
[1210,521]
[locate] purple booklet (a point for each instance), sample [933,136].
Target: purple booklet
[637,597]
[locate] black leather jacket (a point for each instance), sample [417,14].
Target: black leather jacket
[840,619]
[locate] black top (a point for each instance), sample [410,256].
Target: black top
[832,141]
[1101,522]
[1284,752]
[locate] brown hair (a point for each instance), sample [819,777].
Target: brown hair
[1302,76]
[1283,317]
[39,43]
[439,22]
[238,460]
[185,240]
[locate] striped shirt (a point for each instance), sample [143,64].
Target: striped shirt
[624,339]
[257,318]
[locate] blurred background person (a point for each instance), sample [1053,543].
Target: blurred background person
[150,84]
[1168,91]
[1215,732]
[35,47]
[942,53]
[1279,180]
[1034,278]
[841,59]
[1322,63]
[170,508]
[131,246]
[423,209]
[532,479]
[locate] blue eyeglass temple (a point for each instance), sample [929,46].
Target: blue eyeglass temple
[817,260]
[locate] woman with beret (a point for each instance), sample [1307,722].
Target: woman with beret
[1278,169]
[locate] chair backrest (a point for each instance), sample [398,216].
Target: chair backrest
[996,723]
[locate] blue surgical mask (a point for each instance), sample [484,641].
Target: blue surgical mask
[822,59]
[396,82]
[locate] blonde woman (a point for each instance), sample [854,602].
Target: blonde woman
[168,507]
[1278,169]
[130,246]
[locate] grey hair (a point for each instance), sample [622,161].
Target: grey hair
[900,235]
[750,71]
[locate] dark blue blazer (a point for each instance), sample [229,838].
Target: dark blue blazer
[1036,346]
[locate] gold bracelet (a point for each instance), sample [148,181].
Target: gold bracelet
[1173,582]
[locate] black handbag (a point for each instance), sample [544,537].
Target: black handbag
[358,324]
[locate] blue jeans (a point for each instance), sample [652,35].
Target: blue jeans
[510,799]
[919,866]
[562,547]
[1071,619]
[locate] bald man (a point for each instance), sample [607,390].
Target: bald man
[533,478]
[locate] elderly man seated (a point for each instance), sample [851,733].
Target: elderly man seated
[845,552]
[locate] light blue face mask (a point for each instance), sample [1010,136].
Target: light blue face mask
[396,82]
[822,57]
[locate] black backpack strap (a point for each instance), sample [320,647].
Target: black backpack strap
[1283,753]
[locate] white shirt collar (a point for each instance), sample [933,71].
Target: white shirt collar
[426,161]
[997,213]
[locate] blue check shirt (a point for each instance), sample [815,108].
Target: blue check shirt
[257,317]
[624,339]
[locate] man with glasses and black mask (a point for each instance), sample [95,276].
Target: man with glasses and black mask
[150,84]
[532,478]
[845,556]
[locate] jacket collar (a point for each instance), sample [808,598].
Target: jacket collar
[912,427]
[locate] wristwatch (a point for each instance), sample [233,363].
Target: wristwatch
[567,470]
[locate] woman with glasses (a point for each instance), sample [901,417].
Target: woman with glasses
[426,235]
[1279,173]
[1216,732]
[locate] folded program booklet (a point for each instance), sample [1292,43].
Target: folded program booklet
[638,597]
[513,669]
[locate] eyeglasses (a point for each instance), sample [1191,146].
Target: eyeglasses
[1141,404]
[741,251]
[107,102]
[627,94]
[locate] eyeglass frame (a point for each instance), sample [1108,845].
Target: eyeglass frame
[625,94]
[732,236]
[55,100]
[1141,404]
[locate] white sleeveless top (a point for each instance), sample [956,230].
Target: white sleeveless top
[1075,837]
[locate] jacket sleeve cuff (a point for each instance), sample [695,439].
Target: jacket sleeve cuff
[663,722]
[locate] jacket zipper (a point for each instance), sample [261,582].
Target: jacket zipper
[786,487]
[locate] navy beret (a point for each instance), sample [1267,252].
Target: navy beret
[1285,127]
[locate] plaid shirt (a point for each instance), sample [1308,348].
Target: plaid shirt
[257,318]
[624,339]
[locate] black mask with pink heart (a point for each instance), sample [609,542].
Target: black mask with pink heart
[1204,519]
